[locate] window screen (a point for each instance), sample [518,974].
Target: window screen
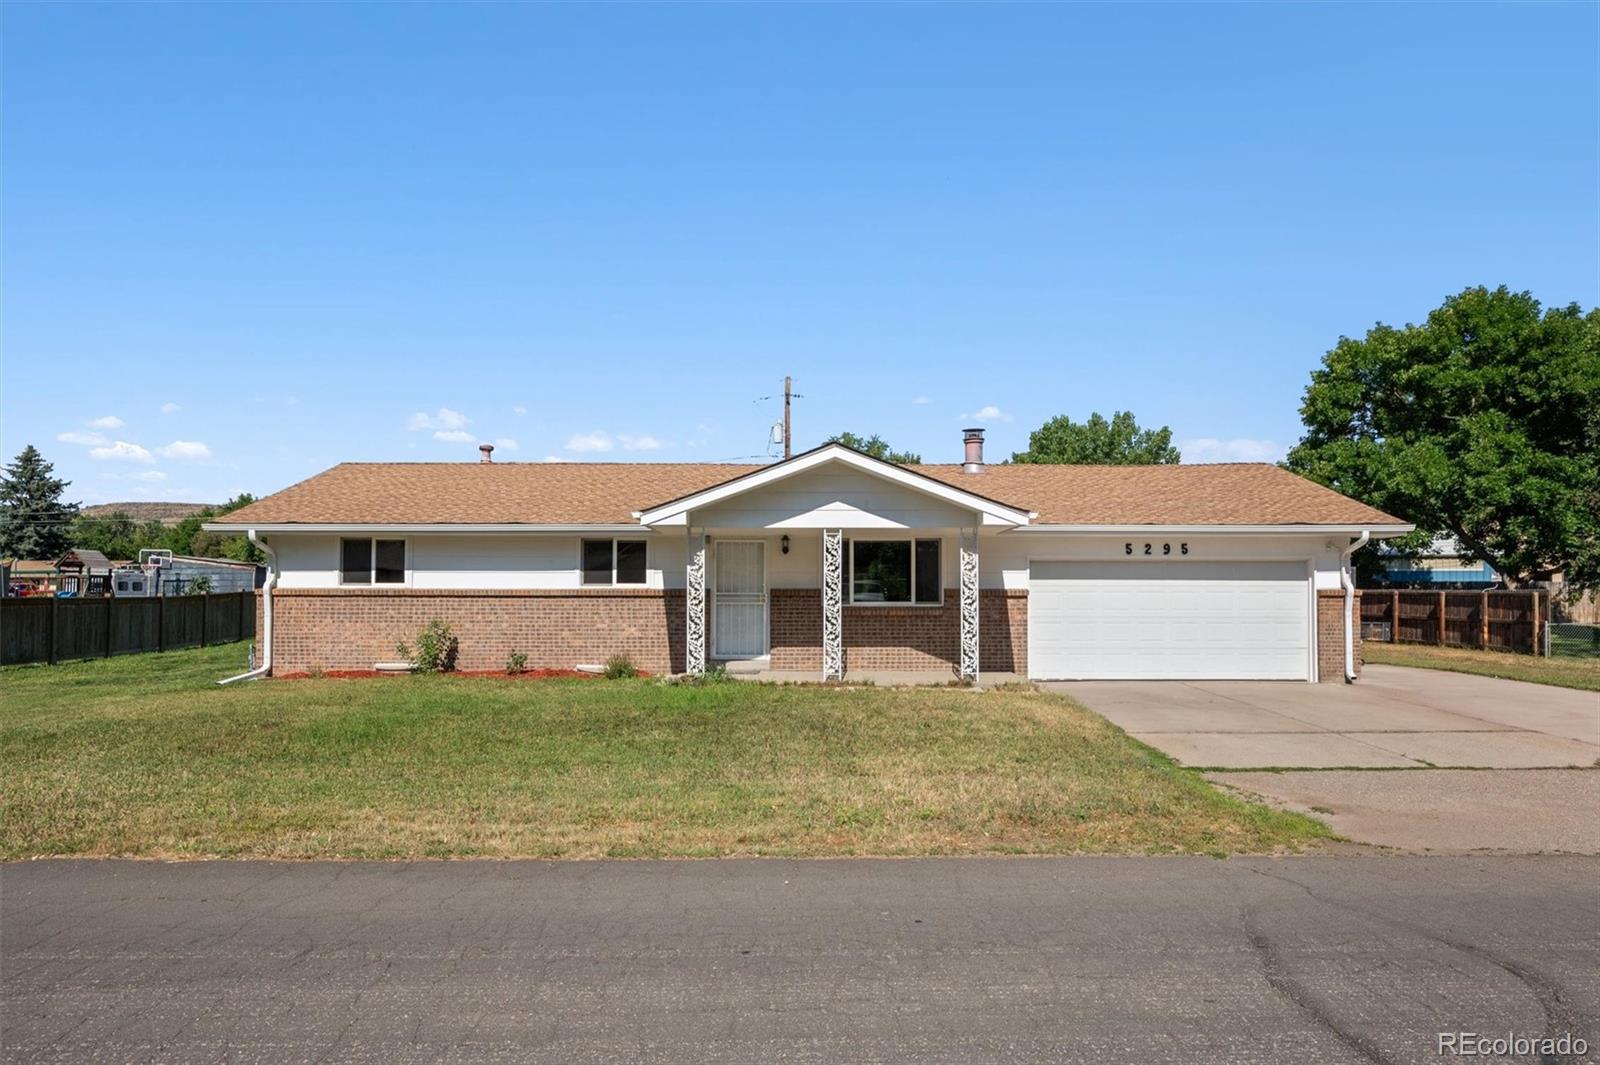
[928,576]
[630,561]
[597,562]
[355,561]
[390,562]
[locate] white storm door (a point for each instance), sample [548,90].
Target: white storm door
[739,599]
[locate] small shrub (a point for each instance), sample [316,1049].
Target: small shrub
[436,648]
[516,662]
[619,666]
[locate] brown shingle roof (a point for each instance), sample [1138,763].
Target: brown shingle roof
[603,493]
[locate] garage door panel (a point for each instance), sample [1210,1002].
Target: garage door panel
[1168,620]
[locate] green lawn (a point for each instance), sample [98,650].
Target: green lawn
[145,755]
[1581,673]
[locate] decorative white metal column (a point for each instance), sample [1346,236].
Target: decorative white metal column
[832,604]
[969,604]
[695,632]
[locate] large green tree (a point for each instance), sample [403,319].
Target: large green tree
[34,521]
[877,447]
[1097,442]
[1483,422]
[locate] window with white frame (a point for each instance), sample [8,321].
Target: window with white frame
[903,572]
[368,561]
[613,562]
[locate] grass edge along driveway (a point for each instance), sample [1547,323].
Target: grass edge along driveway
[146,756]
[1580,673]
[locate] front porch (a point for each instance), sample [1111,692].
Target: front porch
[835,562]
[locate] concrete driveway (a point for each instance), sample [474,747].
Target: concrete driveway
[1453,729]
[1393,718]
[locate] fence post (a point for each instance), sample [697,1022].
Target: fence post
[1483,621]
[1534,650]
[55,627]
[1394,617]
[161,620]
[238,619]
[205,616]
[109,599]
[1441,619]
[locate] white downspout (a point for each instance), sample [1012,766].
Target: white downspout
[266,613]
[1350,602]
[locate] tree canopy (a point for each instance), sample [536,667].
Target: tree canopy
[34,521]
[119,536]
[1483,423]
[877,447]
[1097,442]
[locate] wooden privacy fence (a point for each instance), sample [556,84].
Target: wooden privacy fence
[39,629]
[1498,621]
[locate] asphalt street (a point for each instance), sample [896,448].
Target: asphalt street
[1316,959]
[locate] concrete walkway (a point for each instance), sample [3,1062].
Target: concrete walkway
[1393,718]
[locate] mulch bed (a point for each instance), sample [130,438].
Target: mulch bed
[490,674]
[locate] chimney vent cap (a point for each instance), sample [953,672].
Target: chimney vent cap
[487,451]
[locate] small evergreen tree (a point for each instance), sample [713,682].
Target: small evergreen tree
[34,522]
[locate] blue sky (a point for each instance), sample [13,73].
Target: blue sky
[242,244]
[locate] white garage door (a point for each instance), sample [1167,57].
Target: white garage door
[1169,620]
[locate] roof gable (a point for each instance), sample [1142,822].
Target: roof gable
[989,511]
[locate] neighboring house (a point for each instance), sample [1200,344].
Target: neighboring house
[1442,564]
[829,561]
[24,576]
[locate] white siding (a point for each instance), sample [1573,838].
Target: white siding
[1003,558]
[834,497]
[482,561]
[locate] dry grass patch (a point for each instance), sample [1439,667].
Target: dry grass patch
[1580,673]
[146,756]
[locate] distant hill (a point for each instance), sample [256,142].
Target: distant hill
[165,513]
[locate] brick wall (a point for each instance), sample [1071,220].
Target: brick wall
[1330,635]
[901,637]
[353,628]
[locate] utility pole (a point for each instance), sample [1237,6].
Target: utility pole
[786,388]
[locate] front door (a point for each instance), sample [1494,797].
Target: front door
[739,599]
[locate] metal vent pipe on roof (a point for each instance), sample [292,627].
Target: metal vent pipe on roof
[487,451]
[973,438]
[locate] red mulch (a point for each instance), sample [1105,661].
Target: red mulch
[492,674]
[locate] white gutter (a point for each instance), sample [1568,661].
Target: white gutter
[1350,603]
[1209,530]
[266,613]
[374,528]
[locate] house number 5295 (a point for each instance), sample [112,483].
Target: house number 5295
[1149,549]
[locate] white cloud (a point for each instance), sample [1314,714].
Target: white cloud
[590,442]
[122,451]
[445,419]
[110,421]
[920,400]
[505,443]
[170,408]
[1239,449]
[991,413]
[454,436]
[519,409]
[185,449]
[150,475]
[554,458]
[601,442]
[82,439]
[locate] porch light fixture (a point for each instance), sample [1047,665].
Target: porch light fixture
[785,543]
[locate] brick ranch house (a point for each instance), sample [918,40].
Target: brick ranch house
[826,562]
